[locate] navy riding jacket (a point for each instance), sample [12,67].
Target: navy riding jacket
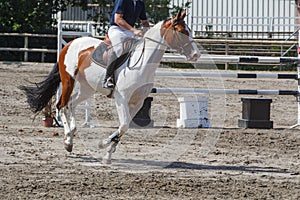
[130,12]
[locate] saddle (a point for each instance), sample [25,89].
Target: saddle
[102,52]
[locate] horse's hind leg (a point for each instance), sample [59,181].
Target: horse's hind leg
[66,91]
[68,139]
[69,125]
[81,94]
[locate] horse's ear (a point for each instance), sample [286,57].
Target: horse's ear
[178,15]
[183,15]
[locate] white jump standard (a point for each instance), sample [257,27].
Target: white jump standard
[193,113]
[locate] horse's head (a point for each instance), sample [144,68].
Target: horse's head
[178,36]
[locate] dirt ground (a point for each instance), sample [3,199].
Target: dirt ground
[163,162]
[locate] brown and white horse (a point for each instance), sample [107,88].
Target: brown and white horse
[134,79]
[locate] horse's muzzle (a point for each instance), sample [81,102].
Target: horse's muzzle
[194,56]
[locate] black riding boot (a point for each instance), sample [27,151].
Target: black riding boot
[111,65]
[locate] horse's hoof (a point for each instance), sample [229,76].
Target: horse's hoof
[103,144]
[69,147]
[106,161]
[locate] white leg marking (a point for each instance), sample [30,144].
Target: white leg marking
[68,139]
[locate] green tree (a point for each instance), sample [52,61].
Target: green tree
[157,10]
[28,15]
[185,5]
[37,15]
[102,15]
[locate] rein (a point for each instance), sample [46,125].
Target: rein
[143,51]
[158,42]
[180,50]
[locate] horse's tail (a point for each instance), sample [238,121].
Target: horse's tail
[39,95]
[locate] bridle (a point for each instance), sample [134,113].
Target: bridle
[179,49]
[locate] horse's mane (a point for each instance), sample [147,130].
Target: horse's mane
[152,29]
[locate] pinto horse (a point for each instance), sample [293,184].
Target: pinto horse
[134,79]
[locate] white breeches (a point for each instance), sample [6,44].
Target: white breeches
[117,37]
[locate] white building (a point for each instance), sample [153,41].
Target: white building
[241,15]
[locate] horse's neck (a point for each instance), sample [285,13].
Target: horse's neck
[155,44]
[151,50]
[148,54]
[145,59]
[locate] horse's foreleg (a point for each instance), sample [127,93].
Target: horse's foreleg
[112,140]
[111,143]
[106,142]
[109,151]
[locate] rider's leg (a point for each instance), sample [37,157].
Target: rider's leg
[117,36]
[111,65]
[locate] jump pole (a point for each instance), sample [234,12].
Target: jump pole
[227,75]
[216,59]
[224,91]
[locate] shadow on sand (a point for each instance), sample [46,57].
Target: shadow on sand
[183,165]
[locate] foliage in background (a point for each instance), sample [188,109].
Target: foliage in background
[36,16]
[28,15]
[101,14]
[157,10]
[175,8]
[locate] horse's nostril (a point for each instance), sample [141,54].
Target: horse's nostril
[196,56]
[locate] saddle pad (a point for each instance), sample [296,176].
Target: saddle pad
[98,54]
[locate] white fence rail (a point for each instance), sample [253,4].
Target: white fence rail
[245,27]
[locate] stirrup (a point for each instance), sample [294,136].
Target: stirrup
[109,83]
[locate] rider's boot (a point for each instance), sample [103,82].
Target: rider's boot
[111,65]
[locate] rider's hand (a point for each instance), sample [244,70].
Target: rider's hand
[138,32]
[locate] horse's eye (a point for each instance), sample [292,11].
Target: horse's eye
[182,31]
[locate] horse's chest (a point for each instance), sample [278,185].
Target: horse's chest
[141,93]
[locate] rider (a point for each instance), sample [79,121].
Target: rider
[124,16]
